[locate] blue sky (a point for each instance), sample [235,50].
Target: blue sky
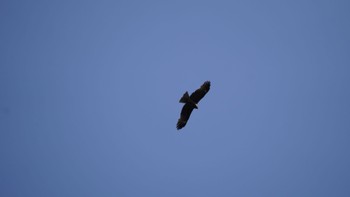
[90,89]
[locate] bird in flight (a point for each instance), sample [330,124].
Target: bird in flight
[191,103]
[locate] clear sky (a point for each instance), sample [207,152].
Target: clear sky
[90,90]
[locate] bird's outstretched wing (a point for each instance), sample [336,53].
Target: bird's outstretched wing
[185,115]
[197,95]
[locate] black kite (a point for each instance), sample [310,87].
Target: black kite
[191,103]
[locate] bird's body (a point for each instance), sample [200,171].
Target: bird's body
[191,103]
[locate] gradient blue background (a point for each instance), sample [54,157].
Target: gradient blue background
[90,89]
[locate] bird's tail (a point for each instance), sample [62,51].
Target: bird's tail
[185,98]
